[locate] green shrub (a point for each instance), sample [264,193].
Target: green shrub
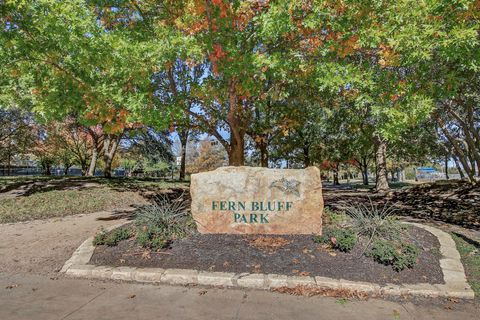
[99,238]
[334,218]
[151,240]
[343,239]
[398,255]
[163,221]
[111,238]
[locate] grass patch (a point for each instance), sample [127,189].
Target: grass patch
[17,181]
[144,184]
[60,203]
[470,255]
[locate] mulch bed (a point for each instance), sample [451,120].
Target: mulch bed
[286,254]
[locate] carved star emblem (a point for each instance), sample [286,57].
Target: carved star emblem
[287,186]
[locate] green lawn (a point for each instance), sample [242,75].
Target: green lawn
[47,197]
[471,261]
[60,203]
[140,184]
[14,181]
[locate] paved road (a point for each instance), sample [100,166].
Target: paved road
[40,297]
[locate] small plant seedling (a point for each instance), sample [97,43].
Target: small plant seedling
[396,315]
[342,301]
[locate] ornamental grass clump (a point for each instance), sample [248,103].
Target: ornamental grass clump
[162,222]
[386,238]
[372,221]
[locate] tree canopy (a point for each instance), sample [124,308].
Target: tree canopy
[305,81]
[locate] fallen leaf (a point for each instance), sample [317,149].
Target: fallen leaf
[146,255]
[309,291]
[295,261]
[11,286]
[306,250]
[201,293]
[267,243]
[132,296]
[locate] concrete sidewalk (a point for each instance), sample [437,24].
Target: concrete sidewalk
[41,297]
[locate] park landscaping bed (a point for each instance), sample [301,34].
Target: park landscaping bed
[293,255]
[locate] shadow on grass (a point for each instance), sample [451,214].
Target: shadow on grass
[171,195]
[27,186]
[471,241]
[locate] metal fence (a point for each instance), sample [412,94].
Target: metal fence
[434,176]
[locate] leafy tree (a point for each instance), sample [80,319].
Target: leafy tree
[17,134]
[176,87]
[97,69]
[207,155]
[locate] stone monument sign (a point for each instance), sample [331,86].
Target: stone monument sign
[253,200]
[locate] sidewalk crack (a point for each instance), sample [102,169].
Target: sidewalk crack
[83,305]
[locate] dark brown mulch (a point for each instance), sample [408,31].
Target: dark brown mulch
[289,254]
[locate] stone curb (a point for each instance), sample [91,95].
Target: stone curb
[455,286]
[84,252]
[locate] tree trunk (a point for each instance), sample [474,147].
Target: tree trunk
[362,164]
[93,162]
[84,166]
[48,171]
[9,162]
[237,123]
[110,146]
[381,165]
[335,177]
[365,173]
[183,141]
[306,156]
[236,156]
[446,168]
[459,168]
[457,149]
[263,154]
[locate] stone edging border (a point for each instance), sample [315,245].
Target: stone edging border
[455,286]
